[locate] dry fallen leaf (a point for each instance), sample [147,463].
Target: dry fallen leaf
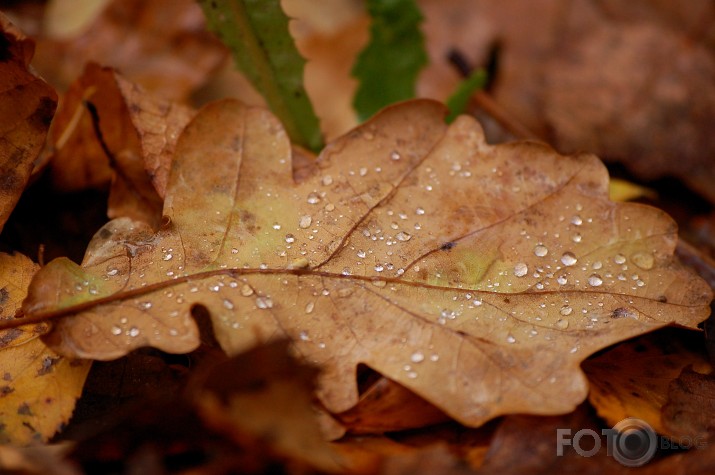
[265,396]
[130,141]
[476,276]
[23,131]
[38,388]
[690,409]
[162,45]
[632,379]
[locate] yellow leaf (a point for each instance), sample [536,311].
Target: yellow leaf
[38,388]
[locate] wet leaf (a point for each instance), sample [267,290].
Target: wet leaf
[632,379]
[109,128]
[38,388]
[477,276]
[28,105]
[388,66]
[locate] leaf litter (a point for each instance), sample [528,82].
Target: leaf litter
[416,249]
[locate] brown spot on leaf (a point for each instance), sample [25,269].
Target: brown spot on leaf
[47,364]
[5,390]
[24,409]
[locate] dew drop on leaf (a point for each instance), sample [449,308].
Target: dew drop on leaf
[228,304]
[309,307]
[595,280]
[643,260]
[562,324]
[619,259]
[313,198]
[246,290]
[305,221]
[133,332]
[417,357]
[420,211]
[264,302]
[566,310]
[403,236]
[327,180]
[568,259]
[576,220]
[116,330]
[521,269]
[540,250]
[395,155]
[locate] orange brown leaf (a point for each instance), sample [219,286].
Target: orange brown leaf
[477,276]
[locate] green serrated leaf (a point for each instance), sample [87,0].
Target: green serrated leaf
[388,66]
[257,33]
[459,99]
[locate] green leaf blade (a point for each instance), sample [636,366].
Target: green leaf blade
[257,33]
[457,102]
[388,67]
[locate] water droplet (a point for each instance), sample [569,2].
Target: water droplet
[521,269]
[168,257]
[228,304]
[568,259]
[379,283]
[395,155]
[562,280]
[313,198]
[540,250]
[566,310]
[417,357]
[246,290]
[367,135]
[303,336]
[562,324]
[309,307]
[412,375]
[576,237]
[361,254]
[619,259]
[214,288]
[379,268]
[145,305]
[596,265]
[234,251]
[640,283]
[264,302]
[112,271]
[594,280]
[403,236]
[643,260]
[576,220]
[276,226]
[290,238]
[133,332]
[327,180]
[511,339]
[305,221]
[420,211]
[116,330]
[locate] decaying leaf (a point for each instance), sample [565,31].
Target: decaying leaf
[38,388]
[632,379]
[162,45]
[476,276]
[108,128]
[28,104]
[690,409]
[265,395]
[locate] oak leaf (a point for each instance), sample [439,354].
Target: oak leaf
[477,276]
[38,388]
[109,128]
[27,105]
